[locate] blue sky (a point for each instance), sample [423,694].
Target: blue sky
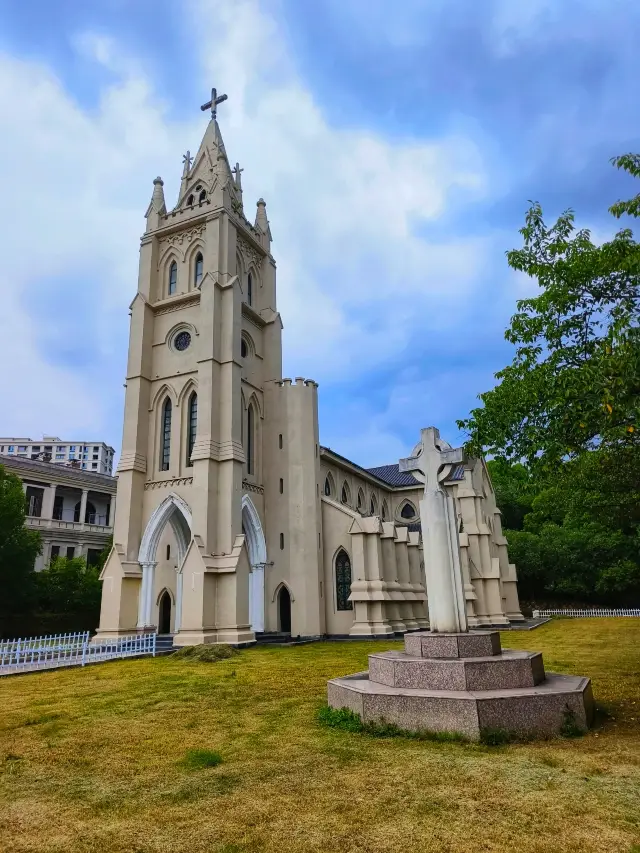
[396,145]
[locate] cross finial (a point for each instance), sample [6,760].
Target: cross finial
[236,173]
[213,103]
[187,160]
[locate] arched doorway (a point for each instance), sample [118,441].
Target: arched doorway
[257,553]
[284,610]
[174,511]
[164,613]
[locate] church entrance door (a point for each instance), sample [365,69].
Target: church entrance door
[284,610]
[257,553]
[164,614]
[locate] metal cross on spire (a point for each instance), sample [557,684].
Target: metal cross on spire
[213,103]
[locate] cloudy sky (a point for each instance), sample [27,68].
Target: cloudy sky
[396,144]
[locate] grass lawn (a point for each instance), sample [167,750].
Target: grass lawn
[114,758]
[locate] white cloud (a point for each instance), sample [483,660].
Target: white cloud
[346,205]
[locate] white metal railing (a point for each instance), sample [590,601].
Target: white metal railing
[587,612]
[34,653]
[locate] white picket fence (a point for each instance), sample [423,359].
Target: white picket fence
[34,653]
[586,613]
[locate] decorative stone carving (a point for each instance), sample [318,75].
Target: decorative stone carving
[253,487]
[164,484]
[182,237]
[250,255]
[177,306]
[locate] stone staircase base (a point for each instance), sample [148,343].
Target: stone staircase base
[464,683]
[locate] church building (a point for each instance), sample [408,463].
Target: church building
[232,520]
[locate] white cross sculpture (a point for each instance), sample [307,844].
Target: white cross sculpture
[430,463]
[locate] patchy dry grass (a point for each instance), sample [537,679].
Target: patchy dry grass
[94,760]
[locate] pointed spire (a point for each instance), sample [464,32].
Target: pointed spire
[262,223]
[157,207]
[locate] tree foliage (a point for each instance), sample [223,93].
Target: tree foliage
[19,547]
[69,586]
[562,421]
[574,382]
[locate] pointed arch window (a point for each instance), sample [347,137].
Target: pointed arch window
[165,453]
[360,504]
[328,486]
[408,511]
[192,426]
[197,270]
[343,581]
[173,278]
[249,289]
[250,439]
[190,200]
[385,511]
[373,506]
[203,196]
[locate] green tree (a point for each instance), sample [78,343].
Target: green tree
[69,586]
[574,383]
[19,548]
[568,407]
[515,491]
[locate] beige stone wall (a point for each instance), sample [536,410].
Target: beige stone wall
[292,500]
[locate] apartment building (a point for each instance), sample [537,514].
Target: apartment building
[87,455]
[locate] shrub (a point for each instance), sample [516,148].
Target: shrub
[207,653]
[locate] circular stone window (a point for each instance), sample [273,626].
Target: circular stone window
[182,341]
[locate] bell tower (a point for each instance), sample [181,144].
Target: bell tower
[205,340]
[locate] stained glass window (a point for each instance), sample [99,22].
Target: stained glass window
[173,278]
[182,341]
[166,435]
[197,278]
[193,423]
[250,428]
[343,581]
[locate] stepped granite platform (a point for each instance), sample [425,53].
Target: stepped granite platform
[464,683]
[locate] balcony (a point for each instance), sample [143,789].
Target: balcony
[66,520]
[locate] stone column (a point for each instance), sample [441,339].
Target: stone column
[83,505]
[49,502]
[414,553]
[407,608]
[145,600]
[394,607]
[368,588]
[177,620]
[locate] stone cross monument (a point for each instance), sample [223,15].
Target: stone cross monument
[430,463]
[450,679]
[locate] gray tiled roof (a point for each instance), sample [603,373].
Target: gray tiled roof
[391,474]
[456,474]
